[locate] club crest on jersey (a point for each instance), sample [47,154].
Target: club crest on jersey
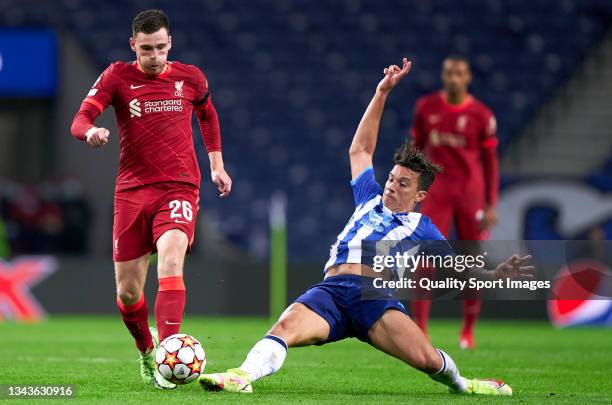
[376,221]
[179,88]
[405,218]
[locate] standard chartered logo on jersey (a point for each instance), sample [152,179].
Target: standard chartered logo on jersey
[135,108]
[155,106]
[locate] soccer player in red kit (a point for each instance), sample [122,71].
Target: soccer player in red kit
[157,188]
[458,132]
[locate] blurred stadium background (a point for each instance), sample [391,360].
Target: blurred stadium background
[290,79]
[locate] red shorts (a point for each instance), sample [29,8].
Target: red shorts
[447,204]
[145,213]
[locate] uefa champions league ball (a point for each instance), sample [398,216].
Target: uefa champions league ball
[180,358]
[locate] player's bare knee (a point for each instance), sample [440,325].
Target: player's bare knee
[282,329]
[128,291]
[128,296]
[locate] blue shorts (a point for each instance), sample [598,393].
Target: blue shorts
[340,301]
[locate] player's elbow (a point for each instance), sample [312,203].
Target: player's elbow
[74,128]
[207,111]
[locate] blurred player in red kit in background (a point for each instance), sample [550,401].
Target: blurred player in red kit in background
[458,132]
[158,182]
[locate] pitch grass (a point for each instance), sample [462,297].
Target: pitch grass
[96,355]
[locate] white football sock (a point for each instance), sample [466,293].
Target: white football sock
[266,357]
[449,374]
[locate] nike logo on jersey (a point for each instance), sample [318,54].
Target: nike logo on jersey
[136,87]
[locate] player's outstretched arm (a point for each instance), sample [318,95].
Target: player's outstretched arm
[364,141]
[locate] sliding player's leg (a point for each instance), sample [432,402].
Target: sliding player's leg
[395,334]
[297,326]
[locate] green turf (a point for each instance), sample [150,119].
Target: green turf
[95,354]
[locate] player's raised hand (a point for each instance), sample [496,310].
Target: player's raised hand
[393,75]
[97,137]
[222,180]
[515,267]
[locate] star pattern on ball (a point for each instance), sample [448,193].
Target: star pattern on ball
[196,366]
[170,359]
[188,341]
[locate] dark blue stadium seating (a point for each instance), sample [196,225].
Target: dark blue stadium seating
[291,78]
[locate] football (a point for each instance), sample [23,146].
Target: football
[180,358]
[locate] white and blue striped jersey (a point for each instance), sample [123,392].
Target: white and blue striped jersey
[373,223]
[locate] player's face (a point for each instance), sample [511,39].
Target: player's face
[401,193]
[152,50]
[456,76]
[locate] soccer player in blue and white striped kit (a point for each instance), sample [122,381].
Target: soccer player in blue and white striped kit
[335,308]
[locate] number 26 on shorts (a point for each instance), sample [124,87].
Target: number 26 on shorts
[181,210]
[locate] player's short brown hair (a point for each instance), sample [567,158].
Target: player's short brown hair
[457,58]
[409,156]
[150,21]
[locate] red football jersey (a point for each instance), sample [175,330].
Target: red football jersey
[154,119]
[456,137]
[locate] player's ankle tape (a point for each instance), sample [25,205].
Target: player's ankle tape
[174,283]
